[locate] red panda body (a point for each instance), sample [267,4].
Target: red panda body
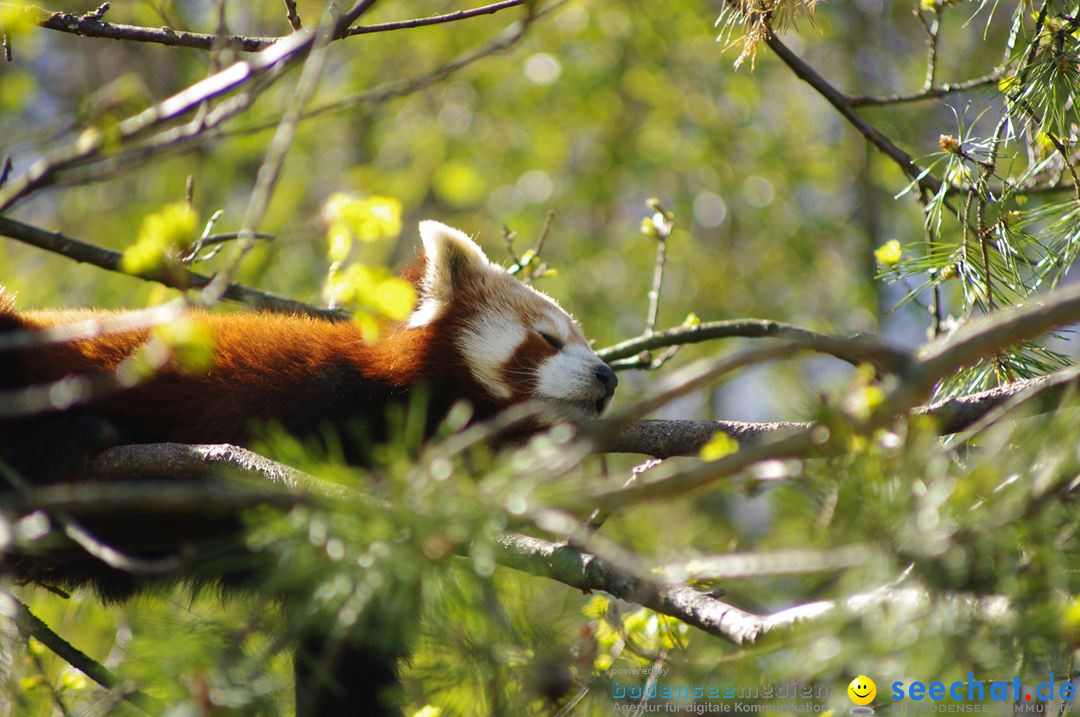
[302,373]
[477,335]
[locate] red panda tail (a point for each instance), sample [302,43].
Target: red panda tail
[8,316]
[10,322]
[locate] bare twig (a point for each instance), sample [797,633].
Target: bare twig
[270,170]
[435,19]
[197,132]
[933,31]
[1066,156]
[292,15]
[660,226]
[90,143]
[853,349]
[949,88]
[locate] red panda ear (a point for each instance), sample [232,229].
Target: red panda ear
[453,260]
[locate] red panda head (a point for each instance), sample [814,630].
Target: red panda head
[516,343]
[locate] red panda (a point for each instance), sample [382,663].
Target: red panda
[476,335]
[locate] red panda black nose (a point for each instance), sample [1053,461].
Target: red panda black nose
[606,377]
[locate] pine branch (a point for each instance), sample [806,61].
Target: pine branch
[32,626]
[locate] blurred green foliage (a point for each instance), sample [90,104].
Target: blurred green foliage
[783,212]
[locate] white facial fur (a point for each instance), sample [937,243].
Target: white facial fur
[506,321]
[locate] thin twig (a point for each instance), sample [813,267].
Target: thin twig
[661,224]
[853,349]
[292,15]
[933,29]
[843,105]
[89,144]
[932,93]
[172,37]
[196,134]
[1066,155]
[435,19]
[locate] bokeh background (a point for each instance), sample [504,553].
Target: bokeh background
[779,205]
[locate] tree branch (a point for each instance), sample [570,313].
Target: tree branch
[578,569]
[667,438]
[174,277]
[88,26]
[122,474]
[843,105]
[944,90]
[852,349]
[88,165]
[91,26]
[282,53]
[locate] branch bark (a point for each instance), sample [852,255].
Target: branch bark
[853,349]
[667,438]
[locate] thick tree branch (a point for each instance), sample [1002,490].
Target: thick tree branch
[578,569]
[940,358]
[667,438]
[132,465]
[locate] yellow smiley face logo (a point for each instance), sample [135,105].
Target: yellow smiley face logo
[862,690]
